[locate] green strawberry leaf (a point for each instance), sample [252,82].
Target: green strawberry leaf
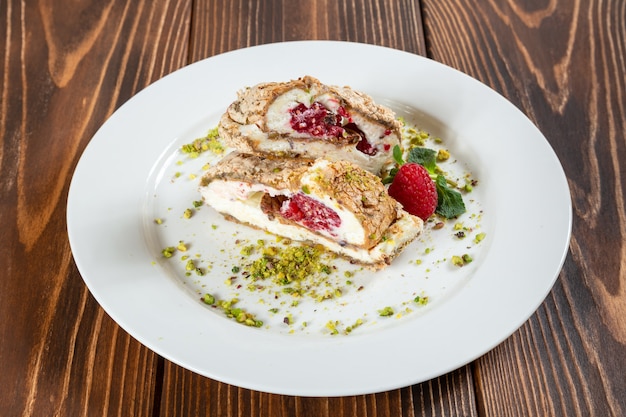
[425,157]
[449,202]
[397,155]
[389,178]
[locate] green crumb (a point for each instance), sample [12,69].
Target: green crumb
[332,326]
[461,260]
[208,299]
[214,226]
[443,155]
[270,251]
[210,142]
[190,266]
[356,324]
[228,307]
[235,269]
[421,300]
[158,220]
[457,260]
[169,251]
[187,214]
[305,189]
[299,271]
[247,250]
[416,137]
[386,312]
[198,203]
[289,264]
[181,246]
[479,237]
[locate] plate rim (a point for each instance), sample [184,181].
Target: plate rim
[278,386]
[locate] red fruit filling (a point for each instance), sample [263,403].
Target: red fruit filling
[317,120]
[363,145]
[310,213]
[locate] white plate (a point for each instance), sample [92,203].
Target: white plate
[125,179]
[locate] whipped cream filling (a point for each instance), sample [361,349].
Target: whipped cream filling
[242,200]
[217,194]
[278,119]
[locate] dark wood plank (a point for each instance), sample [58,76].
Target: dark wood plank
[219,27]
[64,67]
[186,393]
[562,63]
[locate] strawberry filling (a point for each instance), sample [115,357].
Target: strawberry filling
[317,120]
[310,213]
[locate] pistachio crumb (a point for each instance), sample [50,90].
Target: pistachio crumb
[443,155]
[386,312]
[169,251]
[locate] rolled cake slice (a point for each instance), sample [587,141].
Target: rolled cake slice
[308,119]
[333,203]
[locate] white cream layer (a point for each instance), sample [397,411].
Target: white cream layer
[278,120]
[242,201]
[248,210]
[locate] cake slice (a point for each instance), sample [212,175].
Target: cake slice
[305,118]
[332,203]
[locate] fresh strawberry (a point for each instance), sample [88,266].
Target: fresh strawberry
[415,190]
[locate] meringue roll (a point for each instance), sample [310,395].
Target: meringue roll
[333,203]
[308,119]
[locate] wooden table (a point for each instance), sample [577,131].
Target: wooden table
[66,66]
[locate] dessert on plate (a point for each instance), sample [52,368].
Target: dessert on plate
[307,119]
[333,203]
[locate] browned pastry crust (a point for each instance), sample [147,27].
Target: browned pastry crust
[245,124]
[354,189]
[252,102]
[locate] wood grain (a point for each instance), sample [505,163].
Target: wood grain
[66,66]
[218,27]
[562,63]
[186,393]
